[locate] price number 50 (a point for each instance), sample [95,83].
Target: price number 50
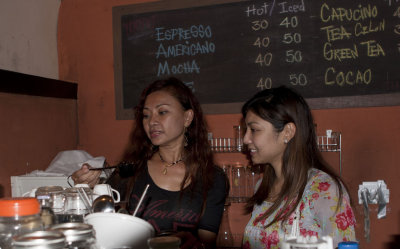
[298,79]
[293,56]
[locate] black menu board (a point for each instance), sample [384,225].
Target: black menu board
[227,51]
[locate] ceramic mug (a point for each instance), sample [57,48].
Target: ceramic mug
[105,189]
[81,185]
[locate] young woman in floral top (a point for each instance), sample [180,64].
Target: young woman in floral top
[280,136]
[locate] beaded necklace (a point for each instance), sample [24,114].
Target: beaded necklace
[166,166]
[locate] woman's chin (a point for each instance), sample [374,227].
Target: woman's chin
[156,141]
[256,160]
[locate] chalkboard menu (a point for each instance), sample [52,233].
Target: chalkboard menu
[227,51]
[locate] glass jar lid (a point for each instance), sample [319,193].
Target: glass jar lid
[47,190]
[19,206]
[74,231]
[42,239]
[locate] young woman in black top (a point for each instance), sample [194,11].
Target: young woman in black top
[169,150]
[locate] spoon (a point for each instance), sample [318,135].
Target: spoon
[103,204]
[104,168]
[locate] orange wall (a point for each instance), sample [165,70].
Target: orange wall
[371,136]
[33,130]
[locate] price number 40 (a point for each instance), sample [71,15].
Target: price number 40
[264,83]
[264,59]
[289,22]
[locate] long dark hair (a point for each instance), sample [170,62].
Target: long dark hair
[280,106]
[198,155]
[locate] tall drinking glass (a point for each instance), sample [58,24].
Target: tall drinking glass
[238,186]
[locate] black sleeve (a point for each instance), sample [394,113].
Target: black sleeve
[216,196]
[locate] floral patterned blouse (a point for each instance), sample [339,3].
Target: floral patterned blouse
[318,216]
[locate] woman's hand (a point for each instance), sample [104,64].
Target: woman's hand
[84,175]
[189,241]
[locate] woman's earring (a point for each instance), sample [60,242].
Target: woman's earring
[185,137]
[285,141]
[186,141]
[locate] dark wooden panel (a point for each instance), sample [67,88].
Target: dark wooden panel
[18,83]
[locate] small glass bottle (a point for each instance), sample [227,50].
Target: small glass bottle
[18,215]
[77,235]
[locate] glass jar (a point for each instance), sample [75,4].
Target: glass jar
[56,197]
[18,215]
[74,203]
[39,240]
[74,206]
[77,235]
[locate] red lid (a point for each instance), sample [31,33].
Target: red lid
[19,206]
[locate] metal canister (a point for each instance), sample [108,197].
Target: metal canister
[77,235]
[39,240]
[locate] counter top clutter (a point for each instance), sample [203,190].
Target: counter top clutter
[62,166]
[64,218]
[43,222]
[69,216]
